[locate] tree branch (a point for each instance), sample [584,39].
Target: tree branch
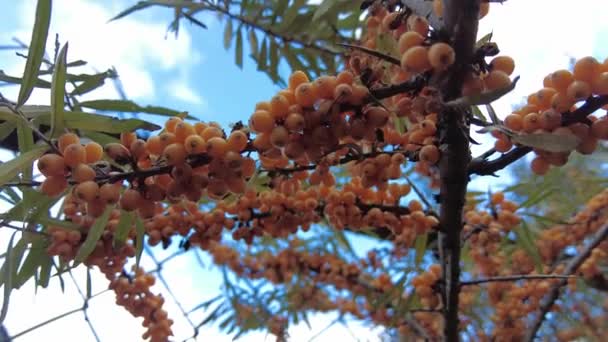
[573,265]
[515,278]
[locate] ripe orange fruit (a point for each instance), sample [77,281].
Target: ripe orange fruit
[261,121]
[175,154]
[296,78]
[74,154]
[505,64]
[52,165]
[53,186]
[67,139]
[408,40]
[496,79]
[416,59]
[306,95]
[441,56]
[586,69]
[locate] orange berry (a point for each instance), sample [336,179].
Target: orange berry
[109,193]
[217,147]
[199,127]
[408,40]
[248,167]
[94,152]
[503,145]
[82,173]
[130,200]
[416,59]
[343,92]
[586,69]
[279,106]
[418,24]
[514,122]
[67,139]
[600,84]
[429,154]
[183,130]
[195,144]
[127,138]
[117,152]
[153,145]
[166,139]
[484,9]
[578,91]
[539,166]
[262,142]
[505,64]
[561,102]
[296,78]
[545,96]
[497,198]
[175,154]
[325,86]
[279,136]
[53,186]
[441,56]
[587,145]
[52,165]
[87,191]
[263,105]
[599,128]
[74,154]
[438,8]
[496,79]
[345,77]
[237,141]
[561,79]
[295,122]
[211,132]
[377,116]
[171,123]
[306,95]
[550,119]
[531,122]
[138,150]
[261,121]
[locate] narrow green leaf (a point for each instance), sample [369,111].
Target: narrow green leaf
[485,39]
[547,141]
[36,50]
[130,107]
[253,42]
[139,6]
[7,276]
[6,128]
[526,239]
[11,168]
[125,223]
[478,114]
[38,83]
[58,93]
[100,123]
[46,265]
[323,8]
[492,114]
[238,50]
[139,239]
[93,235]
[89,283]
[100,138]
[486,97]
[420,248]
[30,265]
[292,13]
[227,34]
[92,82]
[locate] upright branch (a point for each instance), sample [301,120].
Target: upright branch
[549,300]
[461,23]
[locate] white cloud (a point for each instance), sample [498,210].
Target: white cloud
[180,90]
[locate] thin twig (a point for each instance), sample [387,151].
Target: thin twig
[515,278]
[374,53]
[547,303]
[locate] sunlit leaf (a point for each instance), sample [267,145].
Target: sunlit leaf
[11,168]
[93,235]
[58,93]
[129,107]
[547,141]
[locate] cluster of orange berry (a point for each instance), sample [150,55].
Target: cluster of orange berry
[549,110]
[134,294]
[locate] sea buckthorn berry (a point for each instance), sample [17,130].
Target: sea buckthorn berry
[294,150]
[211,132]
[484,9]
[343,92]
[345,77]
[279,106]
[199,127]
[586,69]
[295,122]
[117,152]
[325,86]
[550,119]
[183,130]
[306,95]
[544,97]
[109,193]
[416,59]
[262,142]
[233,160]
[94,152]
[53,186]
[438,8]
[377,116]
[67,139]
[153,145]
[182,172]
[52,165]
[514,122]
[503,145]
[248,167]
[531,122]
[127,138]
[175,154]
[441,56]
[138,149]
[539,166]
[418,24]
[428,127]
[296,78]
[82,173]
[561,79]
[587,145]
[74,154]
[87,191]
[561,102]
[237,141]
[166,139]
[429,154]
[505,64]
[195,144]
[217,147]
[579,90]
[600,84]
[599,128]
[408,40]
[261,121]
[171,123]
[496,79]
[279,136]
[130,200]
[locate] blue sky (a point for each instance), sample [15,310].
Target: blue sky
[194,73]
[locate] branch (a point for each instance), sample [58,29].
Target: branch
[481,166]
[573,265]
[515,278]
